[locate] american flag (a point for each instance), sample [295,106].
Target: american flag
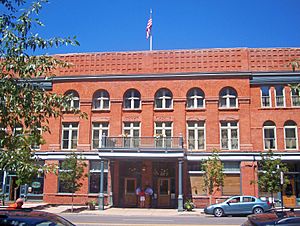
[148,28]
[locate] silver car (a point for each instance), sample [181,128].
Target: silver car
[238,205]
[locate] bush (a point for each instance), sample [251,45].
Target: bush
[189,205]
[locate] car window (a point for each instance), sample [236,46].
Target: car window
[234,200]
[248,199]
[291,220]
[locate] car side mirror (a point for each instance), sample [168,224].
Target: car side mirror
[228,203]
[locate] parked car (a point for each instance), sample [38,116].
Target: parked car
[238,205]
[29,217]
[274,217]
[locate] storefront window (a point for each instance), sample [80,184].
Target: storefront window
[94,177]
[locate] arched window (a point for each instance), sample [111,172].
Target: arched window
[228,98]
[101,100]
[290,135]
[269,131]
[74,101]
[132,99]
[195,98]
[163,99]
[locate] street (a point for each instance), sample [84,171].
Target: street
[119,220]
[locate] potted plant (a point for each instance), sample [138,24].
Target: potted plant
[91,204]
[189,205]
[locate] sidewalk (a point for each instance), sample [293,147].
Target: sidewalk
[57,209]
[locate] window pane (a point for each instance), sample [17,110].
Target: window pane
[232,102]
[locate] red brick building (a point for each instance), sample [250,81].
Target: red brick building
[153,116]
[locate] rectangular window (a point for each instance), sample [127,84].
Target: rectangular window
[265,96]
[94,177]
[229,136]
[36,144]
[196,135]
[62,185]
[290,133]
[279,96]
[295,98]
[163,134]
[131,132]
[197,185]
[69,135]
[231,185]
[269,137]
[99,134]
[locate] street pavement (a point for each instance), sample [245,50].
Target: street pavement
[135,216]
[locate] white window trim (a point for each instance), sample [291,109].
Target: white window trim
[100,99]
[291,94]
[132,98]
[163,98]
[70,129]
[100,128]
[296,134]
[227,97]
[195,98]
[228,128]
[163,128]
[261,98]
[131,128]
[275,136]
[283,93]
[196,128]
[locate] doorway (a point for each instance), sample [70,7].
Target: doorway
[130,196]
[164,194]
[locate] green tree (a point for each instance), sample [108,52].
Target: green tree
[25,106]
[269,174]
[213,173]
[71,173]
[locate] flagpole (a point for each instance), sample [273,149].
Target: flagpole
[151,31]
[150,42]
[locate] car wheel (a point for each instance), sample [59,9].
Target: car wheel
[218,212]
[258,210]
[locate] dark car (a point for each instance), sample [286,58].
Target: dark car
[274,217]
[238,205]
[29,217]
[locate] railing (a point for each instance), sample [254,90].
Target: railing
[265,100]
[296,100]
[280,101]
[141,143]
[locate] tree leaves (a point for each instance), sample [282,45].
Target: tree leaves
[269,173]
[24,102]
[213,173]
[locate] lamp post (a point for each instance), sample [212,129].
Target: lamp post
[281,186]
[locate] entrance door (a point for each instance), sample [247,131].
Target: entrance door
[163,196]
[289,196]
[130,195]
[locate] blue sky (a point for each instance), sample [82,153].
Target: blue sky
[119,25]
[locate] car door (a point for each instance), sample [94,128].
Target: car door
[232,205]
[247,204]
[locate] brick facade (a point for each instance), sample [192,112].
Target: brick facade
[179,71]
